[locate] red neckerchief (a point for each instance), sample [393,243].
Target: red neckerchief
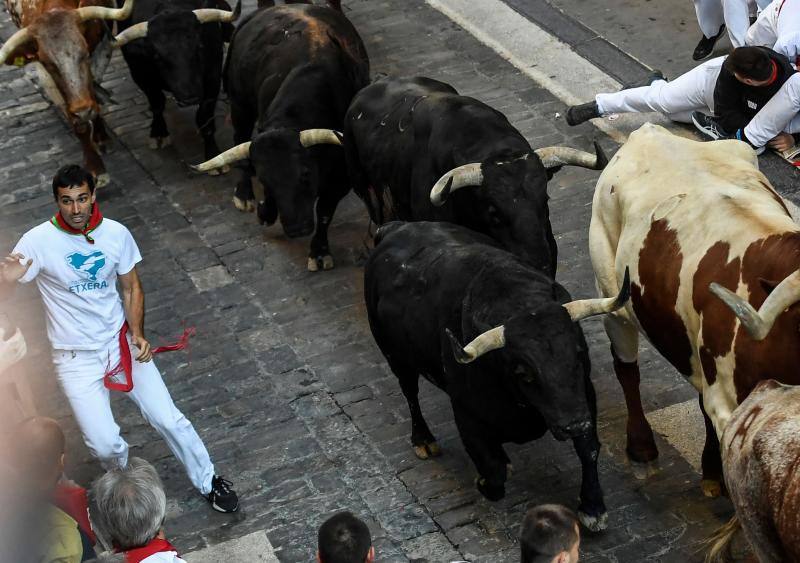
[94,221]
[72,500]
[156,545]
[774,74]
[125,364]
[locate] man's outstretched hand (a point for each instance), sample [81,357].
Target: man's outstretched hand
[14,266]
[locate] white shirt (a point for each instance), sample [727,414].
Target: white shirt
[164,557]
[77,281]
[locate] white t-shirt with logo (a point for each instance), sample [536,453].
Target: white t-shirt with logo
[77,281]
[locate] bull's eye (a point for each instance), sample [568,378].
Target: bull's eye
[524,374]
[494,216]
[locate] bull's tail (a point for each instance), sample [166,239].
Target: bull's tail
[719,542]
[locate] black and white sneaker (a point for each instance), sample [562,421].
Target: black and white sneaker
[708,126]
[222,497]
[706,45]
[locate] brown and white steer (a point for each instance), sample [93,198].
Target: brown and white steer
[761,450]
[61,35]
[683,215]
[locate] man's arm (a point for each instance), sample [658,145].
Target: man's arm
[731,115]
[133,302]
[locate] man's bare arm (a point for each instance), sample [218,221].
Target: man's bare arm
[133,302]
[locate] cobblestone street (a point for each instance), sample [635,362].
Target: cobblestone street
[283,380]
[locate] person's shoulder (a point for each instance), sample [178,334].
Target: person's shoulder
[38,232]
[115,227]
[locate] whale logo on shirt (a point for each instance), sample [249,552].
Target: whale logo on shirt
[87,264]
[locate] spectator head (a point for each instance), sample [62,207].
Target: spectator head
[343,538]
[130,504]
[750,65]
[550,534]
[70,176]
[38,453]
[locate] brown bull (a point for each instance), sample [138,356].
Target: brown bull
[61,35]
[760,455]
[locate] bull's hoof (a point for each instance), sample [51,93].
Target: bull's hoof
[594,523]
[427,450]
[492,493]
[324,262]
[712,488]
[643,471]
[102,180]
[218,171]
[247,206]
[159,142]
[312,264]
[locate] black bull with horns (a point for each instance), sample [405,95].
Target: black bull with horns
[291,73]
[176,46]
[430,287]
[62,37]
[412,145]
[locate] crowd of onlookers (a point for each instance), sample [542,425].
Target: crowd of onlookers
[49,519]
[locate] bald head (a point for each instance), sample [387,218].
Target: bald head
[38,451]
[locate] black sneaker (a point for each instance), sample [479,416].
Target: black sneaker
[584,112]
[646,81]
[222,497]
[706,45]
[708,126]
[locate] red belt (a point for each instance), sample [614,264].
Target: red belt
[125,364]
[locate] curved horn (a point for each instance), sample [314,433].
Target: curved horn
[101,13]
[560,156]
[464,175]
[311,137]
[239,152]
[490,340]
[583,308]
[209,15]
[138,31]
[18,39]
[758,323]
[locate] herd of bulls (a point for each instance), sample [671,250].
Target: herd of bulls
[690,245]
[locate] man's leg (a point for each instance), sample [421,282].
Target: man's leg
[80,374]
[764,32]
[675,99]
[737,20]
[779,114]
[152,397]
[711,18]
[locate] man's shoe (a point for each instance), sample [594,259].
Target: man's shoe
[646,81]
[222,497]
[708,126]
[584,112]
[706,45]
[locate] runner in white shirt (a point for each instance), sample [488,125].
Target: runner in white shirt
[76,259]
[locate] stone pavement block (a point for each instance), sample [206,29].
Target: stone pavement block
[251,548]
[430,548]
[212,277]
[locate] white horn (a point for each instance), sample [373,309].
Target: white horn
[490,340]
[17,40]
[239,152]
[138,31]
[311,137]
[583,308]
[560,156]
[101,13]
[759,323]
[464,175]
[209,15]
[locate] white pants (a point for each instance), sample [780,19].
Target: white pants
[676,99]
[779,114]
[735,14]
[778,27]
[80,374]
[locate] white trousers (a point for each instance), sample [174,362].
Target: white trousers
[735,14]
[80,374]
[779,114]
[676,99]
[778,27]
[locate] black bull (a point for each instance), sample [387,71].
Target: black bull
[176,46]
[430,286]
[291,73]
[406,139]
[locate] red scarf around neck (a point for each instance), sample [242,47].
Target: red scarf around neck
[94,221]
[156,545]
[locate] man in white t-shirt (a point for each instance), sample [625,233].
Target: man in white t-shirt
[76,259]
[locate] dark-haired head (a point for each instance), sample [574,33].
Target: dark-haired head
[343,538]
[70,176]
[549,534]
[750,63]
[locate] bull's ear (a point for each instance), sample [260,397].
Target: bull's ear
[767,285]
